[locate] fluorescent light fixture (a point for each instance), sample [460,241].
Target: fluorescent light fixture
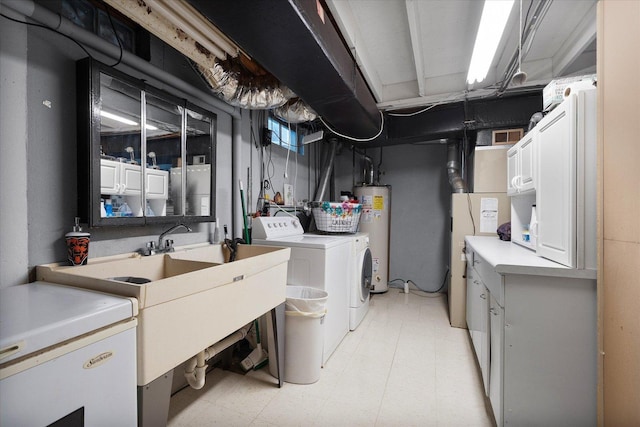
[123,120]
[495,14]
[117,118]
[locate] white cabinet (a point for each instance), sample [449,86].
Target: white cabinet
[118,178]
[566,183]
[125,179]
[521,166]
[560,155]
[478,320]
[542,336]
[157,184]
[496,350]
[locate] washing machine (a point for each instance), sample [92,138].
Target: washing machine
[317,260]
[361,277]
[67,357]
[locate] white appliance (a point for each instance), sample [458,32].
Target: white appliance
[67,355]
[376,220]
[318,261]
[472,214]
[361,272]
[554,169]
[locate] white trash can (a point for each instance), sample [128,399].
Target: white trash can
[305,309]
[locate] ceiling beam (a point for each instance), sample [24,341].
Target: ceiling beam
[350,30]
[299,45]
[413,17]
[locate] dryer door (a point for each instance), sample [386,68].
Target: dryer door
[366,275]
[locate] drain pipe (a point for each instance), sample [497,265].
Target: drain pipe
[55,21]
[327,169]
[195,370]
[453,168]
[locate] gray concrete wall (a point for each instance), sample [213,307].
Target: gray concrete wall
[38,170]
[420,199]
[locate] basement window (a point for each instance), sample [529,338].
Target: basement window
[282,135]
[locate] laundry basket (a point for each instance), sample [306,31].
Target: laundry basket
[305,309]
[333,217]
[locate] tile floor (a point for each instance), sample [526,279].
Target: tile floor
[403,366]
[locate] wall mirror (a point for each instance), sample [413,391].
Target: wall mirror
[130,174]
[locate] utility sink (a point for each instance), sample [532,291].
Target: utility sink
[192,299]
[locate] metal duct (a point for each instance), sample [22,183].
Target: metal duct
[327,169]
[454,170]
[296,111]
[186,30]
[297,43]
[533,121]
[227,85]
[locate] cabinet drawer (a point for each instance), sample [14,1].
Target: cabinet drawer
[491,279]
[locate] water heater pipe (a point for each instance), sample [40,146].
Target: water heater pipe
[453,168]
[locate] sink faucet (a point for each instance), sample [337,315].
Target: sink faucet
[152,248]
[168,247]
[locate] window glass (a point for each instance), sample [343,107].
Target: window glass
[283,136]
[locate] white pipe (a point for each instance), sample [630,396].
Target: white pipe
[195,370]
[57,22]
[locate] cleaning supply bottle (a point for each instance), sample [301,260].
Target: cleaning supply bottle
[108,207]
[77,244]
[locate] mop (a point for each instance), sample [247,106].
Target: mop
[258,357]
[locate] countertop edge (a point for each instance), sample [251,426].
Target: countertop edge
[509,258]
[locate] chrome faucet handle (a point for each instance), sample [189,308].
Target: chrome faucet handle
[150,248]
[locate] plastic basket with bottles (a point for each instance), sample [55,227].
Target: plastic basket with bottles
[336,217]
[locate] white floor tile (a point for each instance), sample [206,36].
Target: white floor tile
[403,366]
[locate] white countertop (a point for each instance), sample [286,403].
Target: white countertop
[510,258]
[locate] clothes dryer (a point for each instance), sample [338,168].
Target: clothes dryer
[317,260]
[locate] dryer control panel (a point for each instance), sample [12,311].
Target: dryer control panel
[273,227]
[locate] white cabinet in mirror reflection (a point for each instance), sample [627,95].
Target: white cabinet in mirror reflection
[124,179]
[198,189]
[118,178]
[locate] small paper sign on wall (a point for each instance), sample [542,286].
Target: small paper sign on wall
[488,215]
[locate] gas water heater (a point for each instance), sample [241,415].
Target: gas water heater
[376,220]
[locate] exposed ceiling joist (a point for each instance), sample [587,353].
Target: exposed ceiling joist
[413,17]
[344,18]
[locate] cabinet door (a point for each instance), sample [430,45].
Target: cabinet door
[109,176]
[526,181]
[556,185]
[472,306]
[512,171]
[157,185]
[496,367]
[483,336]
[130,179]
[521,166]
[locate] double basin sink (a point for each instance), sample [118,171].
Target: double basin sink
[188,299]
